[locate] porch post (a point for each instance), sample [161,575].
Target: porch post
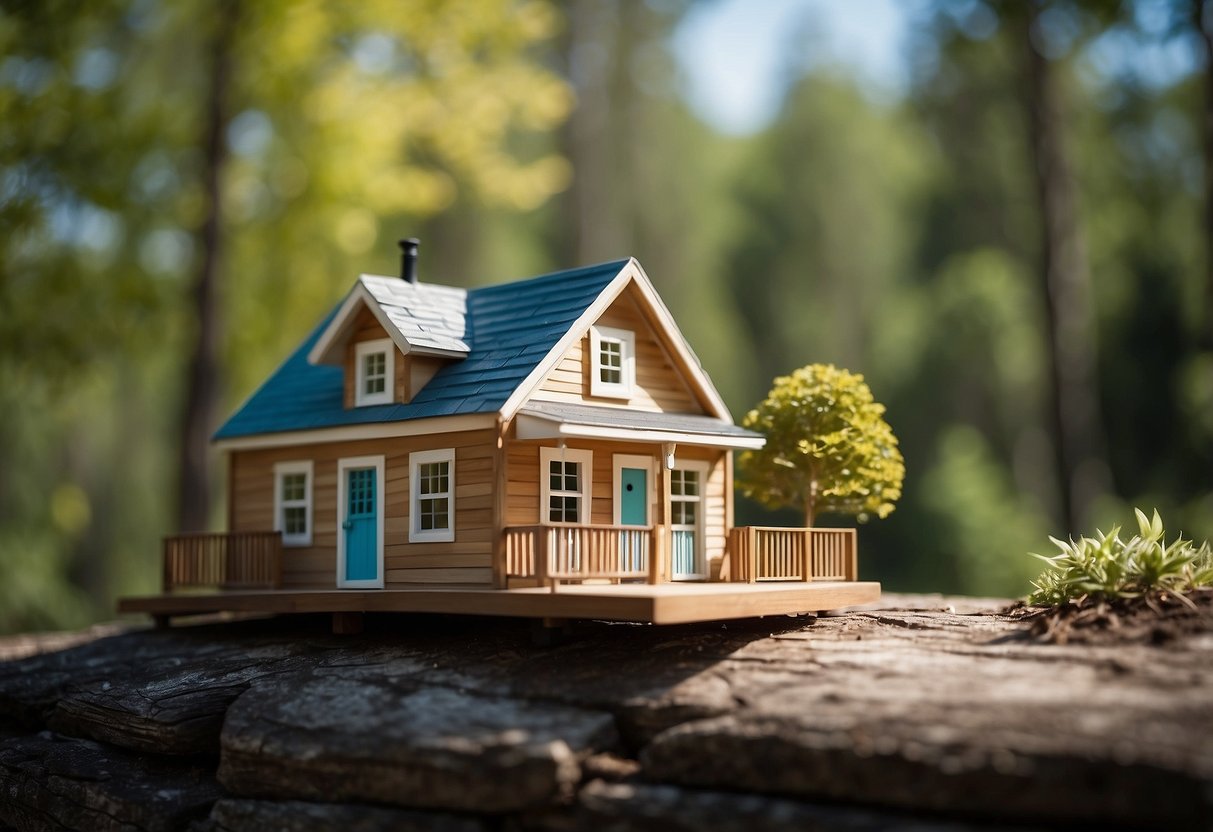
[661,529]
[500,503]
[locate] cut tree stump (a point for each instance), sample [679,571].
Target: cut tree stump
[927,713]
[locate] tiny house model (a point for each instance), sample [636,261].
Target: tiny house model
[547,448]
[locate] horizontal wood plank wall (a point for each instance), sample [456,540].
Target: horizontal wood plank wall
[522,472]
[468,560]
[659,386]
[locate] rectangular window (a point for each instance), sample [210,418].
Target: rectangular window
[293,502]
[684,496]
[565,480]
[432,496]
[613,352]
[375,368]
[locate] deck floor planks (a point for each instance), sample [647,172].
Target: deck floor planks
[657,604]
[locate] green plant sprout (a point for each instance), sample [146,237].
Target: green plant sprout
[1107,567]
[829,449]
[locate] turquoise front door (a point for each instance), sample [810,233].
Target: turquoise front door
[361,526]
[633,511]
[633,497]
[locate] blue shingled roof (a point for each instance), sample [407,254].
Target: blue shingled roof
[510,328]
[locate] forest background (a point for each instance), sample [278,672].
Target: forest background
[1012,245]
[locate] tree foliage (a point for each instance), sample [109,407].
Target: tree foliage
[829,448]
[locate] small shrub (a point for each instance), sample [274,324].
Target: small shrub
[1108,567]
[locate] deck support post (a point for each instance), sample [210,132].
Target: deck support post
[348,623]
[549,632]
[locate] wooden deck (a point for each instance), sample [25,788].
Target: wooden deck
[671,603]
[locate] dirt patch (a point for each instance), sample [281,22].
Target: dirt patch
[1157,618]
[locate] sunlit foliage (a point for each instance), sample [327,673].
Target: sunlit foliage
[829,449]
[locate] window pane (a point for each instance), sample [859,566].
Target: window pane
[294,487]
[433,514]
[294,520]
[610,361]
[690,483]
[374,373]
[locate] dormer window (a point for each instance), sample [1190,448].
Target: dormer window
[375,372]
[613,353]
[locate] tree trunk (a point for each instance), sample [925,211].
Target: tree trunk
[810,505]
[1202,19]
[1074,402]
[193,493]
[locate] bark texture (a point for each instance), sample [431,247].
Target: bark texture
[926,713]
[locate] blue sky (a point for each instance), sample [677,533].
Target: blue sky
[735,53]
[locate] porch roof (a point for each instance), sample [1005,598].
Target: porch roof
[553,420]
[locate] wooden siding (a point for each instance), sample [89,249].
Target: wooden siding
[523,492]
[659,387]
[468,560]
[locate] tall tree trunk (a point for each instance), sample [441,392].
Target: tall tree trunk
[1074,407]
[592,49]
[1202,20]
[193,492]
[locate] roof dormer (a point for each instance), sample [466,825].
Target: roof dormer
[393,334]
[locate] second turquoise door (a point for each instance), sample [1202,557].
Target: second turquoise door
[361,526]
[633,497]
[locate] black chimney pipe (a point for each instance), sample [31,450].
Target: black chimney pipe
[408,259]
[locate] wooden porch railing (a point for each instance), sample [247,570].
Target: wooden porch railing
[577,553]
[231,560]
[765,553]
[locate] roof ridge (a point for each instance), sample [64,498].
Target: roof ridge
[564,274]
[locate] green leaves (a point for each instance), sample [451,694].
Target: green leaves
[1109,567]
[829,449]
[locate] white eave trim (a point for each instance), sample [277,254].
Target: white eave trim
[631,271]
[351,433]
[537,427]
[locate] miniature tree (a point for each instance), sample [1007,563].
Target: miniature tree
[829,449]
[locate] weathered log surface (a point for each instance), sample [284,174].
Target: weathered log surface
[926,714]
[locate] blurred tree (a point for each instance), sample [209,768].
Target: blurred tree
[202,387]
[829,449]
[338,118]
[1075,417]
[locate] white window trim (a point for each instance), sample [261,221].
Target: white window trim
[416,460]
[619,462]
[606,389]
[344,465]
[363,348]
[700,527]
[586,458]
[297,467]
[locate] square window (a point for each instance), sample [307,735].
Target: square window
[612,352]
[565,485]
